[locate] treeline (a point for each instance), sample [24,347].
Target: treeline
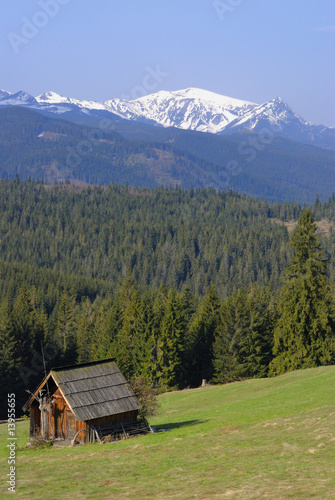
[172,236]
[173,339]
[96,273]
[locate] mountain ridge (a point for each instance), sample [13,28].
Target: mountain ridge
[35,145]
[189,109]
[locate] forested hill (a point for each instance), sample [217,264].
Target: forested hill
[171,236]
[35,146]
[96,272]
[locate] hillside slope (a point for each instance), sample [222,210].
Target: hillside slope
[190,109]
[265,438]
[125,153]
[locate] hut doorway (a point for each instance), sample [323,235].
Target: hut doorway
[70,424]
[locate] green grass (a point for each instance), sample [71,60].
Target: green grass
[268,438]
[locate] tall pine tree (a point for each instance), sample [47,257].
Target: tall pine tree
[305,332]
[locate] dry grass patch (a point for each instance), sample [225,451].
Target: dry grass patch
[324,225]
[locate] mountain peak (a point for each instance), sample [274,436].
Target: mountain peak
[4,92]
[20,98]
[191,108]
[206,95]
[51,97]
[278,101]
[198,95]
[281,109]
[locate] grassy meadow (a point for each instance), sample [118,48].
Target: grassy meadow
[261,438]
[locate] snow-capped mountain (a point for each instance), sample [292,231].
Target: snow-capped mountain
[277,118]
[190,109]
[4,93]
[53,98]
[19,99]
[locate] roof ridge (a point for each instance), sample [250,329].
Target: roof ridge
[89,378]
[89,363]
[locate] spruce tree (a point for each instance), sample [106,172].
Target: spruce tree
[159,308]
[203,331]
[108,324]
[255,348]
[232,327]
[144,340]
[305,332]
[172,328]
[85,332]
[23,324]
[130,305]
[66,327]
[8,359]
[188,311]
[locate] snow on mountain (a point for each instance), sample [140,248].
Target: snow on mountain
[21,98]
[4,93]
[52,98]
[204,111]
[189,109]
[277,118]
[273,115]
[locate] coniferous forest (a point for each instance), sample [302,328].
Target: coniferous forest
[177,285]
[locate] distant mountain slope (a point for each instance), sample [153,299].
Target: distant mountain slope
[189,109]
[36,146]
[32,145]
[277,118]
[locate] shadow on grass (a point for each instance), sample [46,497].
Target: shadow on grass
[177,425]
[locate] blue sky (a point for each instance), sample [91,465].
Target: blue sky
[248,49]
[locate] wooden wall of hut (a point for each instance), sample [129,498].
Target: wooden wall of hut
[62,422]
[130,416]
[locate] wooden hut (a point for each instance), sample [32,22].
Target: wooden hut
[84,403]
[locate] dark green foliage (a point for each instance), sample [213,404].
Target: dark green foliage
[144,341]
[243,343]
[9,358]
[305,333]
[66,325]
[201,338]
[179,238]
[23,324]
[146,395]
[130,306]
[256,342]
[85,332]
[34,146]
[170,341]
[172,284]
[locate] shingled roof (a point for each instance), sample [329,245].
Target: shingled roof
[94,390]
